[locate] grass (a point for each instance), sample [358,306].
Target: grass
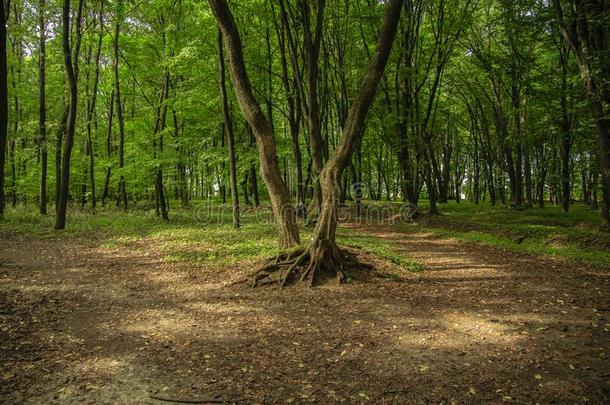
[204,237]
[193,236]
[189,237]
[576,236]
[384,249]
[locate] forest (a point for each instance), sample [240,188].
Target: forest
[290,201]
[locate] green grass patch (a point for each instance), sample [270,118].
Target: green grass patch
[384,249]
[576,235]
[197,236]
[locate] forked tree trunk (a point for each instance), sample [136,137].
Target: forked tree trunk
[278,192]
[323,253]
[323,250]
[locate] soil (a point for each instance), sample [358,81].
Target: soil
[80,323]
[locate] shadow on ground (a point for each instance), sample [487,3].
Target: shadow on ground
[82,323]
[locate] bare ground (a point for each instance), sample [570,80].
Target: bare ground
[84,324]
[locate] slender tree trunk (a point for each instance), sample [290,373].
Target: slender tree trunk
[312,53]
[59,140]
[3,100]
[106,191]
[42,108]
[91,110]
[294,117]
[254,186]
[244,187]
[119,107]
[222,188]
[16,78]
[228,126]
[71,66]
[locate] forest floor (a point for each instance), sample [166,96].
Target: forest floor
[88,320]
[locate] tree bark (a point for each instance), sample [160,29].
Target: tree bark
[294,113]
[71,66]
[59,140]
[312,52]
[585,30]
[122,191]
[42,108]
[228,126]
[106,191]
[278,192]
[323,248]
[91,109]
[4,9]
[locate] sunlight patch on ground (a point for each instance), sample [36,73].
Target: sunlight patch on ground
[101,366]
[457,331]
[160,324]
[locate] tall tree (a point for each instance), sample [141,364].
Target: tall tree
[228,128]
[42,106]
[584,26]
[91,104]
[4,11]
[72,70]
[122,190]
[324,253]
[311,48]
[278,192]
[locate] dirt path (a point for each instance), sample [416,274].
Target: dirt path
[83,324]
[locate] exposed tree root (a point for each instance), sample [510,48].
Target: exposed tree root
[321,260]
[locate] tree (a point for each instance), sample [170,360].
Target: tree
[278,192]
[228,129]
[323,252]
[584,26]
[323,255]
[71,67]
[4,11]
[42,107]
[122,191]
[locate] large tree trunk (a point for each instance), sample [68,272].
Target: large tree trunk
[325,256]
[278,192]
[228,126]
[3,100]
[71,66]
